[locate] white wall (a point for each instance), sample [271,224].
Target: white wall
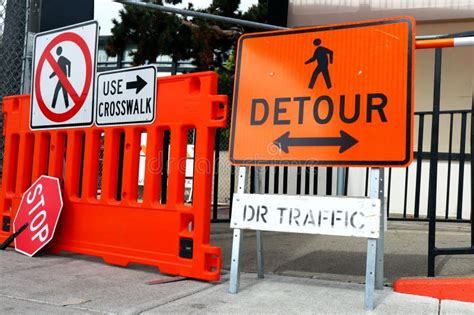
[320,12]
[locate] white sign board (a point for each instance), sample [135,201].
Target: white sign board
[126,96]
[344,216]
[64,66]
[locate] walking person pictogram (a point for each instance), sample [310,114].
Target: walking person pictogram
[65,65]
[323,56]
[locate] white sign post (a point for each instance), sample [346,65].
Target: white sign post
[126,96]
[64,66]
[343,216]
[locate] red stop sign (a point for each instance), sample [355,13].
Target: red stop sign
[40,207]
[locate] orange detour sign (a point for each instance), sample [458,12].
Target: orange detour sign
[331,95]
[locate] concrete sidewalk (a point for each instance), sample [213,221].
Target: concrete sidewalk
[80,284]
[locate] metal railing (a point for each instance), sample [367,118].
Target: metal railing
[405,187]
[449,161]
[13,21]
[162,66]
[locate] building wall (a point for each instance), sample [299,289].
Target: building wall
[457,81]
[320,12]
[457,72]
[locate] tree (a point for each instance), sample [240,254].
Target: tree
[211,45]
[152,32]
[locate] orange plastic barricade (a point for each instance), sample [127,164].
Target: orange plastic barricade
[103,215]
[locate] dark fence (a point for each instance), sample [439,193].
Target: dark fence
[13,20]
[434,251]
[162,66]
[406,190]
[453,202]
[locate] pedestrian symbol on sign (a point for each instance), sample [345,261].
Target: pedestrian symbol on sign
[65,66]
[323,56]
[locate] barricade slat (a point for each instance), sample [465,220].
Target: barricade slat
[91,166]
[24,164]
[178,144]
[131,158]
[154,151]
[41,154]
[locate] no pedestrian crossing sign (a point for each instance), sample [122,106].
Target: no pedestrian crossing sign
[329,95]
[64,66]
[126,96]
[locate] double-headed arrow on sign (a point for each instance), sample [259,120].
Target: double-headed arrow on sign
[345,142]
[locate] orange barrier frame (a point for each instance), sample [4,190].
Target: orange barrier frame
[112,222]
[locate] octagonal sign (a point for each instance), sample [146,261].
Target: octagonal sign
[40,207]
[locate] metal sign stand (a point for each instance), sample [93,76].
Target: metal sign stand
[259,237]
[375,247]
[238,237]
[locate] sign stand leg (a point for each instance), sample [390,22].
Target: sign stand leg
[259,255]
[341,178]
[379,268]
[375,247]
[235,263]
[234,282]
[257,189]
[370,275]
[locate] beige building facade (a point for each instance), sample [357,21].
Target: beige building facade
[433,17]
